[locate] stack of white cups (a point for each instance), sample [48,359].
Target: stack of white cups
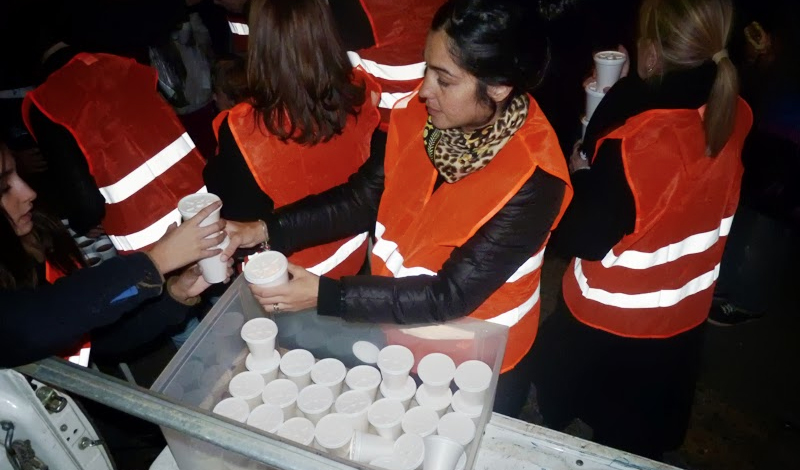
[213,268]
[436,372]
[608,66]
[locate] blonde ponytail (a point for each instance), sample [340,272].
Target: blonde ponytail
[720,116]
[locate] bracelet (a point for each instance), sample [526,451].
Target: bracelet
[265,244]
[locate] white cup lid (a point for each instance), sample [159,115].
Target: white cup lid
[267,417]
[473,376]
[246,385]
[265,267]
[259,329]
[409,451]
[395,359]
[436,369]
[194,203]
[385,413]
[420,420]
[457,427]
[263,366]
[363,377]
[234,408]
[434,402]
[297,362]
[352,402]
[328,372]
[299,430]
[402,394]
[366,352]
[591,88]
[460,406]
[281,392]
[315,399]
[610,56]
[334,431]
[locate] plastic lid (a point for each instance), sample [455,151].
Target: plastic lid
[421,421]
[591,88]
[265,267]
[363,377]
[473,376]
[457,427]
[299,430]
[234,408]
[281,392]
[194,203]
[366,352]
[352,402]
[315,399]
[610,55]
[259,329]
[461,407]
[434,402]
[246,385]
[263,366]
[409,451]
[328,372]
[334,431]
[436,369]
[403,394]
[386,412]
[297,362]
[267,417]
[395,359]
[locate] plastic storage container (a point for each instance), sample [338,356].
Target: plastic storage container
[199,373]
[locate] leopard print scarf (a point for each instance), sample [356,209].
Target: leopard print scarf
[456,154]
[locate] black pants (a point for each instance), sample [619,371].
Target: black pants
[513,387]
[636,394]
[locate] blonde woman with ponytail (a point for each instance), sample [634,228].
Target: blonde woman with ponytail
[656,183]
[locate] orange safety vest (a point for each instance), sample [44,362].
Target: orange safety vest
[80,355]
[417,230]
[287,172]
[659,281]
[140,156]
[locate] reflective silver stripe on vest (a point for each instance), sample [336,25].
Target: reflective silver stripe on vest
[513,316]
[341,254]
[82,358]
[148,171]
[149,235]
[240,29]
[692,245]
[660,298]
[388,72]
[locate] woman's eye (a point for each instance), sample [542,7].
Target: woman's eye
[442,83]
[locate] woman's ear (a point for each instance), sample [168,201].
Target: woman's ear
[498,93]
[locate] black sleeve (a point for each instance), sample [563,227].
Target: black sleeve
[472,273]
[602,210]
[227,175]
[51,319]
[353,24]
[72,184]
[339,212]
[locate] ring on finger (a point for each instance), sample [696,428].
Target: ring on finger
[276,307]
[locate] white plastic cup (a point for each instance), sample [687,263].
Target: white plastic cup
[213,268]
[421,421]
[104,248]
[386,416]
[367,447]
[593,98]
[441,453]
[395,362]
[386,463]
[584,126]
[190,205]
[366,352]
[457,427]
[365,379]
[333,434]
[233,408]
[315,401]
[282,393]
[330,373]
[473,379]
[268,269]
[460,406]
[248,386]
[438,403]
[608,65]
[259,334]
[409,452]
[436,371]
[355,405]
[268,369]
[299,430]
[296,365]
[266,417]
[403,395]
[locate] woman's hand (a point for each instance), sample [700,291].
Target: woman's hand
[576,160]
[243,235]
[190,283]
[299,294]
[187,244]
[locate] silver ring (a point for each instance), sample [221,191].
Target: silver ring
[275,308]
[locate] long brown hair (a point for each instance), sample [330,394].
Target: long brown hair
[299,78]
[688,33]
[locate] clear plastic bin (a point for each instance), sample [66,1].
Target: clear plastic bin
[199,373]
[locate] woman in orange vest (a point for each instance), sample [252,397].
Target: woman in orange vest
[653,206]
[462,203]
[114,301]
[305,127]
